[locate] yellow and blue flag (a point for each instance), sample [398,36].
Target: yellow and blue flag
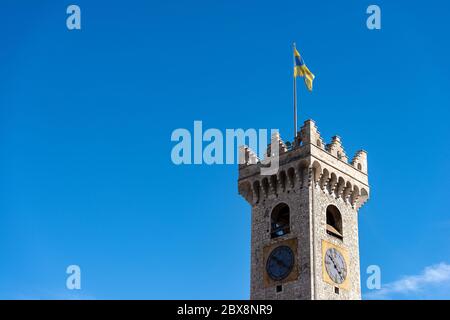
[301,70]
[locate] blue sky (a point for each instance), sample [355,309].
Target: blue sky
[86,119]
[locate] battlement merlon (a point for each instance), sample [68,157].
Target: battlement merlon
[328,163]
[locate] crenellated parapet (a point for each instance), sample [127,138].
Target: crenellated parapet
[308,164]
[282,148]
[247,157]
[309,134]
[335,148]
[360,161]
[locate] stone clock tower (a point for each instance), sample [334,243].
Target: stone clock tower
[304,237]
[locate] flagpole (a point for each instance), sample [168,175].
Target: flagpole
[295,95]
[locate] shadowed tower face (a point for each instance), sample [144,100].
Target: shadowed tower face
[304,237]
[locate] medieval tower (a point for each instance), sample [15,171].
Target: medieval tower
[304,224]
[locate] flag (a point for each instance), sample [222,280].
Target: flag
[301,70]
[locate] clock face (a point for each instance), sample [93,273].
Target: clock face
[335,265]
[280,263]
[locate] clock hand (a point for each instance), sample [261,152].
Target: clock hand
[280,262]
[336,268]
[334,263]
